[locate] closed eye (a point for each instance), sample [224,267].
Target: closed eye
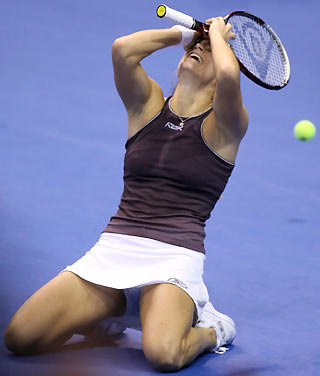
[198,40]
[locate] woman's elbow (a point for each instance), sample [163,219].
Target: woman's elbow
[228,73]
[119,48]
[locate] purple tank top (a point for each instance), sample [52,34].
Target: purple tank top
[172,181]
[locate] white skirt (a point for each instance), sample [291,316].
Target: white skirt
[130,262]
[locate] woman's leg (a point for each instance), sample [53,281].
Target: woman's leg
[62,307]
[169,341]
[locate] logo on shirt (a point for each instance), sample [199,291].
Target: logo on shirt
[174,127]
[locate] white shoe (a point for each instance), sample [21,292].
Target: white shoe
[223,325]
[103,329]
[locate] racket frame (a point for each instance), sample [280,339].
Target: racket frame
[163,11]
[281,48]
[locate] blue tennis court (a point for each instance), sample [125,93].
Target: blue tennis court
[62,135]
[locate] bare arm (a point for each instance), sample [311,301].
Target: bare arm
[231,116]
[135,88]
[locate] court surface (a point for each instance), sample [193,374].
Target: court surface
[62,135]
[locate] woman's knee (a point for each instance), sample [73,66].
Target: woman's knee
[18,340]
[23,338]
[165,355]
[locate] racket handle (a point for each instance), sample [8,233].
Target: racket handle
[163,11]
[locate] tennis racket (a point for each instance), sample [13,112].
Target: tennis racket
[258,49]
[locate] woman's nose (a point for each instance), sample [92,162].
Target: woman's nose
[199,45]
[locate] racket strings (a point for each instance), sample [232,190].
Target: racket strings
[258,50]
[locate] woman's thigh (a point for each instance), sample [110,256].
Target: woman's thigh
[63,306]
[167,314]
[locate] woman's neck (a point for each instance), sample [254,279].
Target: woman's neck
[187,101]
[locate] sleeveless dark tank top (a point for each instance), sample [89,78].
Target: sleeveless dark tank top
[172,181]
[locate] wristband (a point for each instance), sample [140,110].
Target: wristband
[186,35]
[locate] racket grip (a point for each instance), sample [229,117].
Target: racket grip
[163,11]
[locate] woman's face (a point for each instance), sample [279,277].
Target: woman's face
[198,59]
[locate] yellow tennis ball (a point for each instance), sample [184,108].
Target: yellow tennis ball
[304,130]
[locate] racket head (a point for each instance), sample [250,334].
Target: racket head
[259,51]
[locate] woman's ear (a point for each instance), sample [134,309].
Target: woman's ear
[178,69]
[174,81]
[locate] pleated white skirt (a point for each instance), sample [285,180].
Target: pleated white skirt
[129,262]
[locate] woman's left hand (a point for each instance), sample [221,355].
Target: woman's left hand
[217,25]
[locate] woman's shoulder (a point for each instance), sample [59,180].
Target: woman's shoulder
[151,108]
